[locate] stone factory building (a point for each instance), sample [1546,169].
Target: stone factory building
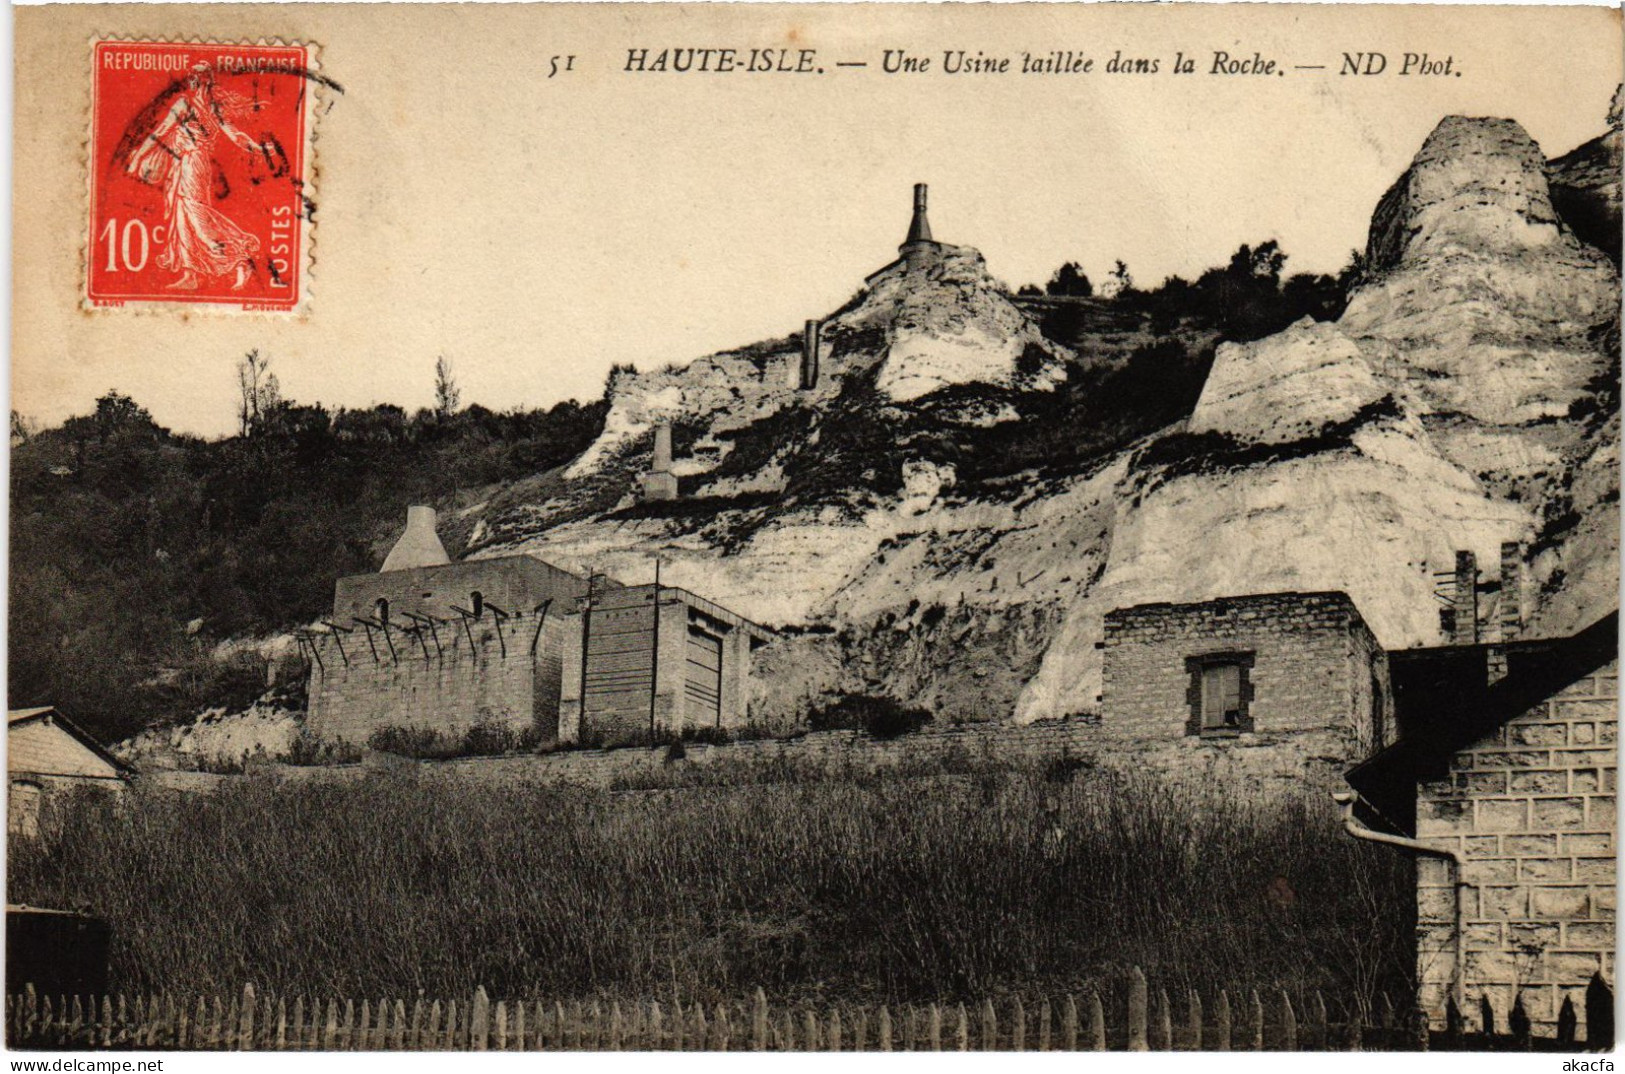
[1502,784]
[428,642]
[1291,685]
[643,661]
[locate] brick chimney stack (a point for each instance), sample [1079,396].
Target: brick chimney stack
[1465,599]
[660,483]
[1511,590]
[662,451]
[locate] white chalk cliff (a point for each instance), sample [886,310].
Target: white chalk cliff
[1466,397]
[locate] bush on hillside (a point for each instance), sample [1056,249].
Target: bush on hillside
[880,717]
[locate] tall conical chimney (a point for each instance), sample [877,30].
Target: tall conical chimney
[919,229]
[419,546]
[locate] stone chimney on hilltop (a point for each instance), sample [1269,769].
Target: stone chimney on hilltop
[419,546]
[659,483]
[919,250]
[919,229]
[809,356]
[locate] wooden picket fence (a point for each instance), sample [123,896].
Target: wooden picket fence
[1133,1018]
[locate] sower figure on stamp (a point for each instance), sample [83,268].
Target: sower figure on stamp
[178,152]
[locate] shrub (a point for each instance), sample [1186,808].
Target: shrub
[1064,767]
[412,740]
[492,736]
[880,717]
[309,749]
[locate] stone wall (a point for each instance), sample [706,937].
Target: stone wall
[508,672]
[1530,810]
[512,583]
[1260,765]
[1318,680]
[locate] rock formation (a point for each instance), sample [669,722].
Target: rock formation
[1465,398]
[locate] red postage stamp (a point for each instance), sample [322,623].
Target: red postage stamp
[199,168]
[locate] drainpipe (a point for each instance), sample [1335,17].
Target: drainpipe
[1347,800]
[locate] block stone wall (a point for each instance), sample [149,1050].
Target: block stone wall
[508,672]
[1530,812]
[1319,681]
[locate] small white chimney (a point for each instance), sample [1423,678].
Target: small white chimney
[419,546]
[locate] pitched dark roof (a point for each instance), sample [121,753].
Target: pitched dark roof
[1444,702]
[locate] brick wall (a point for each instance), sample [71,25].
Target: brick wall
[445,686]
[1530,810]
[1319,680]
[512,583]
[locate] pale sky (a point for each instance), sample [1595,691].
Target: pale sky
[537,230]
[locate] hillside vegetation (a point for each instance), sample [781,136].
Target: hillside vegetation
[970,881]
[135,550]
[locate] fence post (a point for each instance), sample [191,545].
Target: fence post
[1486,1019]
[479,1020]
[787,1033]
[245,1028]
[616,1029]
[758,1022]
[990,1027]
[1221,1022]
[1069,1024]
[962,1031]
[1097,1022]
[1046,1015]
[106,1034]
[1289,1025]
[1567,1024]
[428,1038]
[1164,1023]
[654,1024]
[363,1028]
[1193,1019]
[1518,1023]
[1420,1037]
[934,1027]
[810,1036]
[723,1028]
[834,1029]
[1136,1010]
[883,1028]
[1599,1014]
[1018,1026]
[860,1030]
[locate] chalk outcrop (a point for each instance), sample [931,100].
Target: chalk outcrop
[1481,298]
[1465,398]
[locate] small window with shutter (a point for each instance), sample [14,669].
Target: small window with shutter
[1220,693]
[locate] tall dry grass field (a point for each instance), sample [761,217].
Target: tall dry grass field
[866,888]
